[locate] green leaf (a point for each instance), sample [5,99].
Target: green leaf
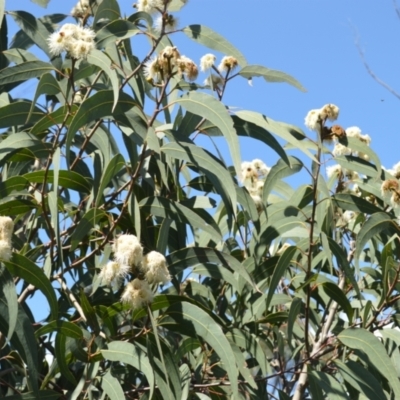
[215,172]
[19,56]
[130,354]
[294,311]
[8,292]
[99,105]
[112,387]
[54,118]
[285,131]
[336,294]
[213,110]
[279,171]
[85,226]
[17,113]
[213,40]
[16,207]
[115,31]
[41,394]
[165,208]
[114,166]
[66,328]
[47,85]
[107,10]
[280,269]
[248,129]
[181,259]
[23,340]
[377,223]
[42,3]
[61,358]
[198,322]
[2,6]
[34,28]
[375,351]
[22,267]
[99,59]
[361,379]
[332,388]
[314,388]
[354,203]
[270,75]
[67,179]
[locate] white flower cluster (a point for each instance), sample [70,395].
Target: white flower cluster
[128,257]
[82,9]
[395,170]
[150,6]
[253,177]
[73,39]
[316,118]
[390,188]
[169,22]
[168,63]
[340,173]
[227,64]
[354,132]
[6,231]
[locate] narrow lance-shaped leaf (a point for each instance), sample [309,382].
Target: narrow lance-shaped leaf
[24,71]
[99,59]
[377,223]
[214,170]
[188,316]
[162,207]
[270,75]
[24,268]
[130,354]
[213,110]
[280,269]
[114,166]
[34,28]
[215,41]
[115,30]
[47,85]
[374,349]
[285,131]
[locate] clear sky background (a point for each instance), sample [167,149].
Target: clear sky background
[312,40]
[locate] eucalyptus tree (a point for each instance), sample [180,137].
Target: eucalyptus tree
[164,271]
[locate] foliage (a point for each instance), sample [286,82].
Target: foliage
[166,272]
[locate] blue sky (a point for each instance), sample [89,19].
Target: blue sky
[314,41]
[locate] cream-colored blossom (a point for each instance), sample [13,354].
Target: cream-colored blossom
[341,150]
[152,69]
[137,294]
[395,199]
[5,250]
[113,271]
[170,23]
[127,250]
[149,6]
[249,174]
[6,229]
[389,186]
[329,111]
[81,9]
[74,39]
[348,216]
[334,170]
[353,131]
[187,67]
[313,120]
[260,167]
[227,64]
[207,61]
[155,268]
